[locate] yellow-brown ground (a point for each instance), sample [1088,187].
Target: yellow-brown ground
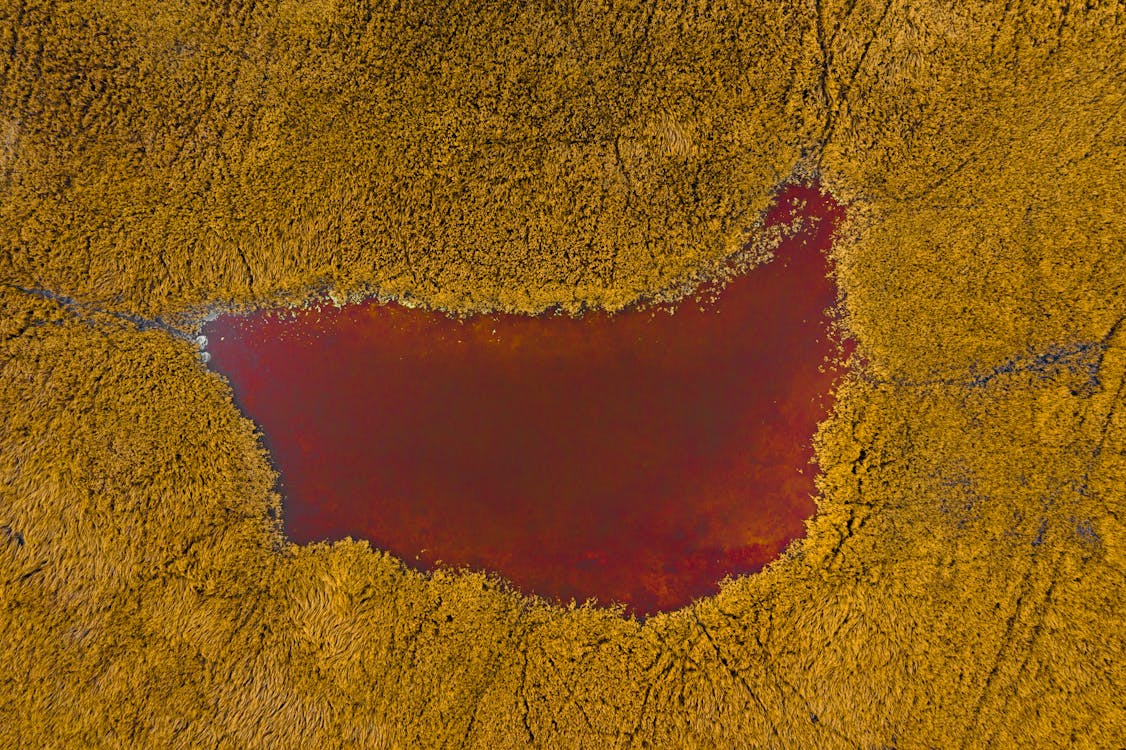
[962,583]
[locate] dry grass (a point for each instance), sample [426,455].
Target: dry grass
[962,583]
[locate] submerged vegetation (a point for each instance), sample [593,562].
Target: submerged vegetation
[961,583]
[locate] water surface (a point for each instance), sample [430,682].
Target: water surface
[638,457]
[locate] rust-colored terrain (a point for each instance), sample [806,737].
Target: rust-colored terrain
[961,584]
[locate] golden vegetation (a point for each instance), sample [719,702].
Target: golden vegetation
[962,582]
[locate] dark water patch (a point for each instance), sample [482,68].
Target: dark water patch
[637,457]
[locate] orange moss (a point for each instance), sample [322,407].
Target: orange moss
[961,584]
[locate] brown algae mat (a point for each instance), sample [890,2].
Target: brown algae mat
[961,584]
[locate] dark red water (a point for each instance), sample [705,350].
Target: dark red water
[637,457]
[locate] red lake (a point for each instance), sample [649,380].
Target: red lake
[636,457]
